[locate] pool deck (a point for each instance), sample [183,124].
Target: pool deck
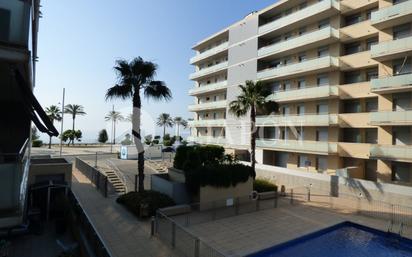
[248,233]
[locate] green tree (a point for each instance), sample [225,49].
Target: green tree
[179,121]
[103,137]
[251,98]
[71,135]
[134,77]
[114,117]
[74,110]
[148,139]
[54,113]
[127,140]
[164,120]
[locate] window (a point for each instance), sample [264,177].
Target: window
[353,19]
[371,74]
[372,105]
[301,83]
[323,51]
[401,171]
[303,161]
[214,115]
[323,80]
[285,110]
[302,31]
[322,134]
[321,163]
[288,11]
[351,106]
[399,1]
[352,135]
[300,109]
[323,23]
[402,31]
[287,85]
[287,61]
[215,98]
[302,57]
[303,5]
[275,87]
[352,77]
[287,36]
[322,108]
[371,135]
[369,13]
[401,66]
[352,48]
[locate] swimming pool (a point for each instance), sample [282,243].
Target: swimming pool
[342,240]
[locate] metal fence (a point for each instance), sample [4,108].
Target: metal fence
[97,178]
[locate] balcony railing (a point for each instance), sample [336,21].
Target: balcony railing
[382,18]
[315,147]
[300,15]
[17,22]
[209,70]
[304,94]
[207,140]
[210,52]
[299,68]
[392,152]
[208,106]
[391,49]
[208,88]
[297,42]
[208,123]
[391,118]
[391,83]
[298,120]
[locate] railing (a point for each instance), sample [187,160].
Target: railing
[391,12]
[87,230]
[209,70]
[210,52]
[296,42]
[391,82]
[391,117]
[98,179]
[391,47]
[208,106]
[297,68]
[207,123]
[18,22]
[207,140]
[397,152]
[300,15]
[304,93]
[297,120]
[298,145]
[208,88]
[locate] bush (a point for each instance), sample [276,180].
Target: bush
[191,157]
[155,141]
[103,137]
[221,175]
[167,142]
[37,143]
[154,200]
[262,185]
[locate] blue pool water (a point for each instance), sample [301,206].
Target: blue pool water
[343,240]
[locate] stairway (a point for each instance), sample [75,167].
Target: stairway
[116,182]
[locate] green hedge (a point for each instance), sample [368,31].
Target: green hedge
[37,143]
[191,157]
[261,185]
[221,175]
[154,200]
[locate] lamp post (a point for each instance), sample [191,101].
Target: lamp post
[61,127]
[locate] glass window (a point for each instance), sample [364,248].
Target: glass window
[372,105]
[323,23]
[303,161]
[370,42]
[301,83]
[323,51]
[399,1]
[302,57]
[322,108]
[302,31]
[402,31]
[352,48]
[351,106]
[287,85]
[303,5]
[300,109]
[369,13]
[321,163]
[353,19]
[371,136]
[371,74]
[401,66]
[323,80]
[352,77]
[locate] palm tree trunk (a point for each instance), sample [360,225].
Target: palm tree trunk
[114,132]
[164,132]
[74,118]
[50,142]
[253,139]
[138,138]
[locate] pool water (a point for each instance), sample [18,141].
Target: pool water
[343,240]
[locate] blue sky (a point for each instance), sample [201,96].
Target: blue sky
[79,42]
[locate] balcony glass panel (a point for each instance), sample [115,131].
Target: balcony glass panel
[210,52]
[391,82]
[297,120]
[207,140]
[207,106]
[392,152]
[14,21]
[391,12]
[208,88]
[298,146]
[209,70]
[207,123]
[398,117]
[305,93]
[391,47]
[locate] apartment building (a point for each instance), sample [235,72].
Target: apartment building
[341,72]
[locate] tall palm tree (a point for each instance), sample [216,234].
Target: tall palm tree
[179,121]
[114,117]
[74,110]
[54,113]
[164,120]
[252,97]
[133,77]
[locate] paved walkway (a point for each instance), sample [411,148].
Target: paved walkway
[124,235]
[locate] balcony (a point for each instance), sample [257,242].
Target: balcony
[347,6]
[391,118]
[298,120]
[209,140]
[207,123]
[357,31]
[355,90]
[355,120]
[15,29]
[394,83]
[392,15]
[209,70]
[311,40]
[304,94]
[209,53]
[317,65]
[208,88]
[311,147]
[393,49]
[313,12]
[392,152]
[208,106]
[357,61]
[354,150]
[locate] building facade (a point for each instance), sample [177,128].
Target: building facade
[341,72]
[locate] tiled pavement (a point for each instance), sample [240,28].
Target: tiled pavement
[124,235]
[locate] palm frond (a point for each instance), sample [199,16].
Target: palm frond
[123,92]
[157,90]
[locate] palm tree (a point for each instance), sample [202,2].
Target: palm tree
[252,97]
[54,113]
[74,110]
[164,120]
[179,121]
[114,117]
[133,77]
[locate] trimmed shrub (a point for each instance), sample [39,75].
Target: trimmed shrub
[37,143]
[262,185]
[154,200]
[191,157]
[221,175]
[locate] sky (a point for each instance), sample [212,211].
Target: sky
[79,42]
